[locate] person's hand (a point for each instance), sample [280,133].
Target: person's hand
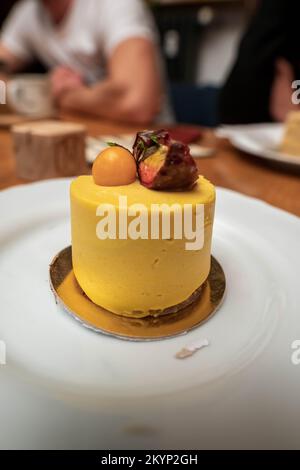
[64,80]
[281,94]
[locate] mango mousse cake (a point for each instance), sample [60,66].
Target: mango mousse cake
[142,227]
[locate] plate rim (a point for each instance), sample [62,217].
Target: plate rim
[236,133]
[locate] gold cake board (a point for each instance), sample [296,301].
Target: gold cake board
[70,296]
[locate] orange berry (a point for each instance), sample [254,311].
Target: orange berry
[114,166]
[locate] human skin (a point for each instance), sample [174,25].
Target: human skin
[281,95]
[124,95]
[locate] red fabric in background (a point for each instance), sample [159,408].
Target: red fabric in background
[185,134]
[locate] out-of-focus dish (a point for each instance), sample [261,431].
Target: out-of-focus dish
[262,140]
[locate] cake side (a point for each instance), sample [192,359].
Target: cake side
[137,277]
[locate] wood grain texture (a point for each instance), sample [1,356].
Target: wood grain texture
[278,186]
[49,149]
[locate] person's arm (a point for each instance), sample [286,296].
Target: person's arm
[131,92]
[281,93]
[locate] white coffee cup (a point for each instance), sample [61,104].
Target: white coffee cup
[30,95]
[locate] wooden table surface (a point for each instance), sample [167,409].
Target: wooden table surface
[229,168]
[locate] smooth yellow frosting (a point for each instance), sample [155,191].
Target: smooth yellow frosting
[136,277]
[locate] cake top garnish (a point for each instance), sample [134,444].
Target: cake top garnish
[160,162]
[164,164]
[114,166]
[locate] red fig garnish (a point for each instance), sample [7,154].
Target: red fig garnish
[163,163]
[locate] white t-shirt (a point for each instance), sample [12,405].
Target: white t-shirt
[85,38]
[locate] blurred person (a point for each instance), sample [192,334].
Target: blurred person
[259,87]
[102,55]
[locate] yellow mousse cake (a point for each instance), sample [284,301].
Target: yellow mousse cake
[142,246]
[136,277]
[291,141]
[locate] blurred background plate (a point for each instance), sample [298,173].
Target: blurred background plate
[261,140]
[95,145]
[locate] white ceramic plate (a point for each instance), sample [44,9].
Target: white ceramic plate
[261,140]
[67,387]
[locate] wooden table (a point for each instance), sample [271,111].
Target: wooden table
[228,168]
